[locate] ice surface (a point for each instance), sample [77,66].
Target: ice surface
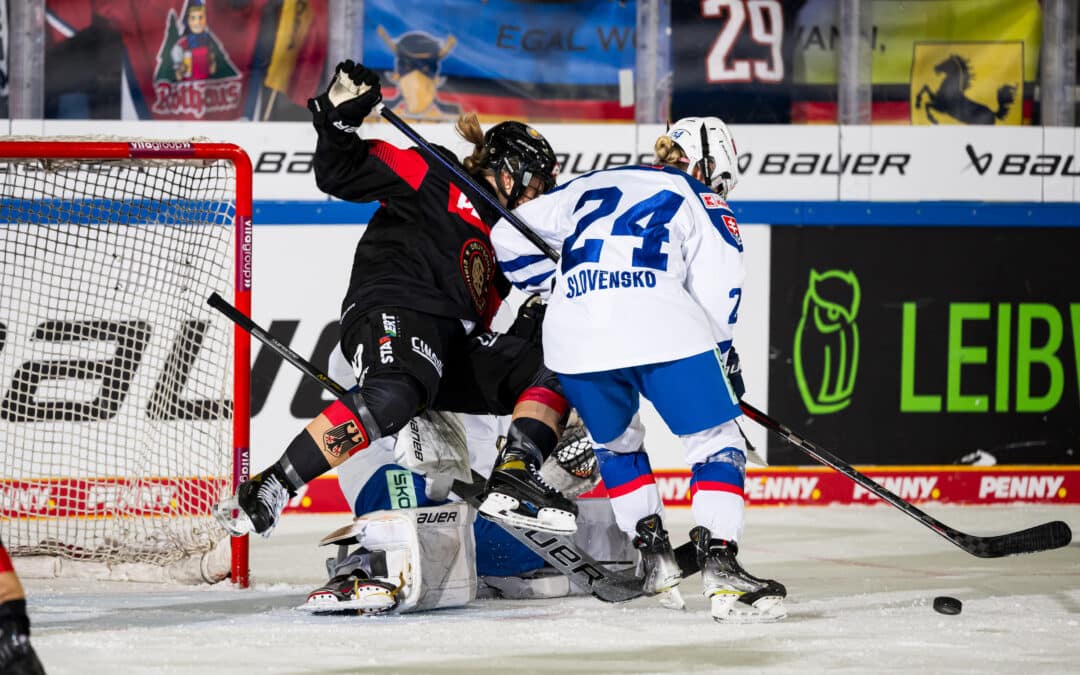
[860,582]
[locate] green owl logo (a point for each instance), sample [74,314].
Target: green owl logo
[827,341]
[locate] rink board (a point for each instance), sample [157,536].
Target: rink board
[821,486]
[810,182]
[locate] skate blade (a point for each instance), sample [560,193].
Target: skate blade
[666,590]
[726,608]
[370,601]
[500,507]
[231,517]
[671,599]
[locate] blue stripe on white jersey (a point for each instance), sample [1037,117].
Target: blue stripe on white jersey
[528,272]
[521,262]
[533,284]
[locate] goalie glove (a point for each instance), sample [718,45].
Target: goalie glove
[353,93]
[733,370]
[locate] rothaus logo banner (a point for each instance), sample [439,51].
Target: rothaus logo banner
[934,345]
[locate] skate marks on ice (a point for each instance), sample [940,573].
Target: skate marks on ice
[75,610]
[860,584]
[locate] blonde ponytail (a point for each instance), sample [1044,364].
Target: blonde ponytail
[669,153]
[468,127]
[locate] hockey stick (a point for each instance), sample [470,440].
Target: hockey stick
[559,551]
[519,225]
[1043,537]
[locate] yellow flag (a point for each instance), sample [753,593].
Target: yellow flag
[293,26]
[967,83]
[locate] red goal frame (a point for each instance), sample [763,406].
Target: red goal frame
[188,150]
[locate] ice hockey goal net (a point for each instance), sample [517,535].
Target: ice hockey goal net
[124,398]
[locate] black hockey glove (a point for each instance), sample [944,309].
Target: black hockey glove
[733,370]
[529,320]
[353,93]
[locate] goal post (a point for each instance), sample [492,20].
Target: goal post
[124,398]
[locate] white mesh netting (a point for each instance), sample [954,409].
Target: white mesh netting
[116,378]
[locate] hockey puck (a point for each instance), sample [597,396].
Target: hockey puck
[946,605]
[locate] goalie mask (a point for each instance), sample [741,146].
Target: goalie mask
[520,151]
[709,146]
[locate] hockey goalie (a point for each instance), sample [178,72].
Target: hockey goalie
[414,546]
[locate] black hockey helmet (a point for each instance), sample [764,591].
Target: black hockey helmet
[521,151]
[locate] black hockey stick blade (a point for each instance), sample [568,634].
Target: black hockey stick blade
[1043,537]
[1055,534]
[559,551]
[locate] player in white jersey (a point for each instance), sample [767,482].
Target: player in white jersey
[643,302]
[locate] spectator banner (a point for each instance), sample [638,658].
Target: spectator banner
[184,59]
[734,59]
[500,58]
[926,345]
[933,61]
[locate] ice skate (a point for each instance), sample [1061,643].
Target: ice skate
[735,595]
[662,573]
[518,495]
[353,592]
[256,507]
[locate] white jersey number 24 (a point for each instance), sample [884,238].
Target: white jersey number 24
[659,209]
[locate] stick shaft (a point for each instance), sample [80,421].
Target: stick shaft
[1039,538]
[518,224]
[222,305]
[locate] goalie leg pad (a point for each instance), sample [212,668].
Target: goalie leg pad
[434,444]
[427,554]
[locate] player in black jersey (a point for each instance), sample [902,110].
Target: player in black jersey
[17,657]
[415,322]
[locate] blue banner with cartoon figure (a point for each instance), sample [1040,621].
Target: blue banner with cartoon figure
[499,58]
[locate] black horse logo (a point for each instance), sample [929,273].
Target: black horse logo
[950,98]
